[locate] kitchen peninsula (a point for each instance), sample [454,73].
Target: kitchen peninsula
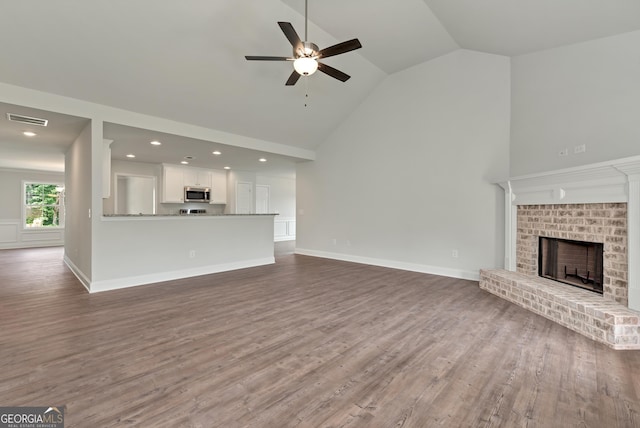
[150,248]
[153,230]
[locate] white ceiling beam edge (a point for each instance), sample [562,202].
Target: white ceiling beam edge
[56,103]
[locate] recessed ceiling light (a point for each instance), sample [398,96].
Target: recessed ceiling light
[29,133]
[227,167]
[262,160]
[155,143]
[131,155]
[184,163]
[217,153]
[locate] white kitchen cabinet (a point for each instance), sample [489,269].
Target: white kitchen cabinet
[197,177]
[218,186]
[172,184]
[175,178]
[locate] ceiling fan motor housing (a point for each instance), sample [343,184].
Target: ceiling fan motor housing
[306,49]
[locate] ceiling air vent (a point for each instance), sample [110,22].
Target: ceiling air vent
[26,119]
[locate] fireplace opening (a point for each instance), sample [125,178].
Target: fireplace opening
[576,263]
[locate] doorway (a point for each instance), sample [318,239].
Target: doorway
[263,198]
[244,197]
[135,194]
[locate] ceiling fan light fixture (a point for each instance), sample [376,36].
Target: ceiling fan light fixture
[306,54]
[305,66]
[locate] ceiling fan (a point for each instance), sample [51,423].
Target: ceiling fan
[306,55]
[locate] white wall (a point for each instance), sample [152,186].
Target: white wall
[134,251]
[12,232]
[78,188]
[407,178]
[586,93]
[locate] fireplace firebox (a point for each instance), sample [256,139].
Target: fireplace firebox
[576,263]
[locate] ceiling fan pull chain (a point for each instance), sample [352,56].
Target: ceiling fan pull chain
[306,90]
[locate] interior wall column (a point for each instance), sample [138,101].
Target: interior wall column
[510,216]
[632,170]
[633,251]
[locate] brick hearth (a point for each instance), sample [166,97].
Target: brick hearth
[583,311]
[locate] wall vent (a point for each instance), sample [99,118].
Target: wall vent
[26,119]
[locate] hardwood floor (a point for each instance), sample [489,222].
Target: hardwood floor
[306,342]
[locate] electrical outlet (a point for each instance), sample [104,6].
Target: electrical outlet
[563,152]
[192,254]
[334,241]
[580,149]
[454,254]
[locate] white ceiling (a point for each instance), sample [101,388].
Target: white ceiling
[175,149]
[185,60]
[46,150]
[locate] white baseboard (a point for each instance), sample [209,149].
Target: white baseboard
[133,281]
[77,272]
[38,244]
[413,267]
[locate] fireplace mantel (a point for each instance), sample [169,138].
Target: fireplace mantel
[611,181]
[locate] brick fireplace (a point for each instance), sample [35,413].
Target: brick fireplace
[597,203]
[602,223]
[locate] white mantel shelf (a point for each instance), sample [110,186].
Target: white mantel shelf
[611,181]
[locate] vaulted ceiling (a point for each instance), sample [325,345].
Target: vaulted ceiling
[184,60]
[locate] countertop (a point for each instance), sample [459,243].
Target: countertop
[184,215]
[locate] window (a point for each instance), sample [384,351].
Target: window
[43,205]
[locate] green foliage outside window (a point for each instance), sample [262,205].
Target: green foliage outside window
[43,205]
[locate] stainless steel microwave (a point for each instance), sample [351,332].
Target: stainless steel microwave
[197,194]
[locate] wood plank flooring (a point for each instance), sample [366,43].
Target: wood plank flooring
[306,342]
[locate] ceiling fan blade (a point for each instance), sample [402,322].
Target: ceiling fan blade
[267,58]
[335,73]
[340,48]
[291,34]
[293,78]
